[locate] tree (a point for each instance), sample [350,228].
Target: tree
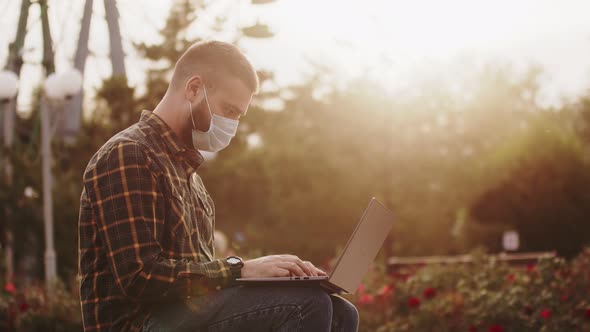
[546,193]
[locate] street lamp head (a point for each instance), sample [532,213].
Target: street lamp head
[71,81]
[8,85]
[64,85]
[52,87]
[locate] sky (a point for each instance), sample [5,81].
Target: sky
[394,42]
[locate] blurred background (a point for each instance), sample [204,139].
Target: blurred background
[470,120]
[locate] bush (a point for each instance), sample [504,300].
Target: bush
[545,193]
[33,309]
[487,295]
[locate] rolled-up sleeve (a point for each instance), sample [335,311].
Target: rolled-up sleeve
[128,206]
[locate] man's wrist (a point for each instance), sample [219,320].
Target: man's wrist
[235,266]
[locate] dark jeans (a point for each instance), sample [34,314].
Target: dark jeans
[258,308]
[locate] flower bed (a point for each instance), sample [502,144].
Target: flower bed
[487,295]
[33,309]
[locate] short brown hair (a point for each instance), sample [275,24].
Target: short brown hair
[213,59]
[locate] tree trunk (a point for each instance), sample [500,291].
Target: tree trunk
[117,54]
[48,60]
[70,126]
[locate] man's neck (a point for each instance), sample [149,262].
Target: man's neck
[168,110]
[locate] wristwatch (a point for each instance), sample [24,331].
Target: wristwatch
[235,266]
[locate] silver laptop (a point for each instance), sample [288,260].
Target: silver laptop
[353,263]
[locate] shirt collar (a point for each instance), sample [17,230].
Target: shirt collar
[172,141]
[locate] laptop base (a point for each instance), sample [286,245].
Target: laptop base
[322,282]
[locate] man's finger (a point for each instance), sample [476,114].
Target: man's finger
[320,272]
[311,268]
[299,262]
[316,270]
[293,267]
[280,272]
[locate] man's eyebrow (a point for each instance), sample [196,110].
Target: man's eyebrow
[234,108]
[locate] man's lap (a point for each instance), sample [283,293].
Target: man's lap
[259,308]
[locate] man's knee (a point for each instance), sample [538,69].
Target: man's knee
[311,308]
[320,300]
[346,314]
[351,313]
[323,299]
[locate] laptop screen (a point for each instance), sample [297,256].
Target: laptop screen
[362,247]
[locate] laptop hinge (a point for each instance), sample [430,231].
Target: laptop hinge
[333,288]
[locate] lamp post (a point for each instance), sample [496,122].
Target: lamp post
[58,88]
[8,91]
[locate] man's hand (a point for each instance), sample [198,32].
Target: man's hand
[279,266]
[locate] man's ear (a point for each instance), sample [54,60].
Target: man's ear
[193,85]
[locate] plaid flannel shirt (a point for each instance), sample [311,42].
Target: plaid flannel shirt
[145,228]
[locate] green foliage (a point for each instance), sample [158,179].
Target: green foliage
[321,159]
[258,31]
[59,312]
[548,296]
[32,307]
[120,110]
[582,124]
[323,156]
[174,40]
[301,181]
[456,168]
[544,194]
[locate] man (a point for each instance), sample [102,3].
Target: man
[146,221]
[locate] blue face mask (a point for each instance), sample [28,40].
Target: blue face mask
[220,133]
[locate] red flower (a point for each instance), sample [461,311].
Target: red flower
[530,267]
[546,313]
[361,289]
[472,328]
[587,313]
[510,278]
[414,302]
[496,328]
[366,299]
[10,288]
[23,307]
[429,293]
[564,298]
[565,273]
[385,291]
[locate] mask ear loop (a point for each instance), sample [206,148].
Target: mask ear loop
[190,110]
[207,101]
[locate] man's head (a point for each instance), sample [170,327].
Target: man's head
[214,74]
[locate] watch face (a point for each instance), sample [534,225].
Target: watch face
[233,260]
